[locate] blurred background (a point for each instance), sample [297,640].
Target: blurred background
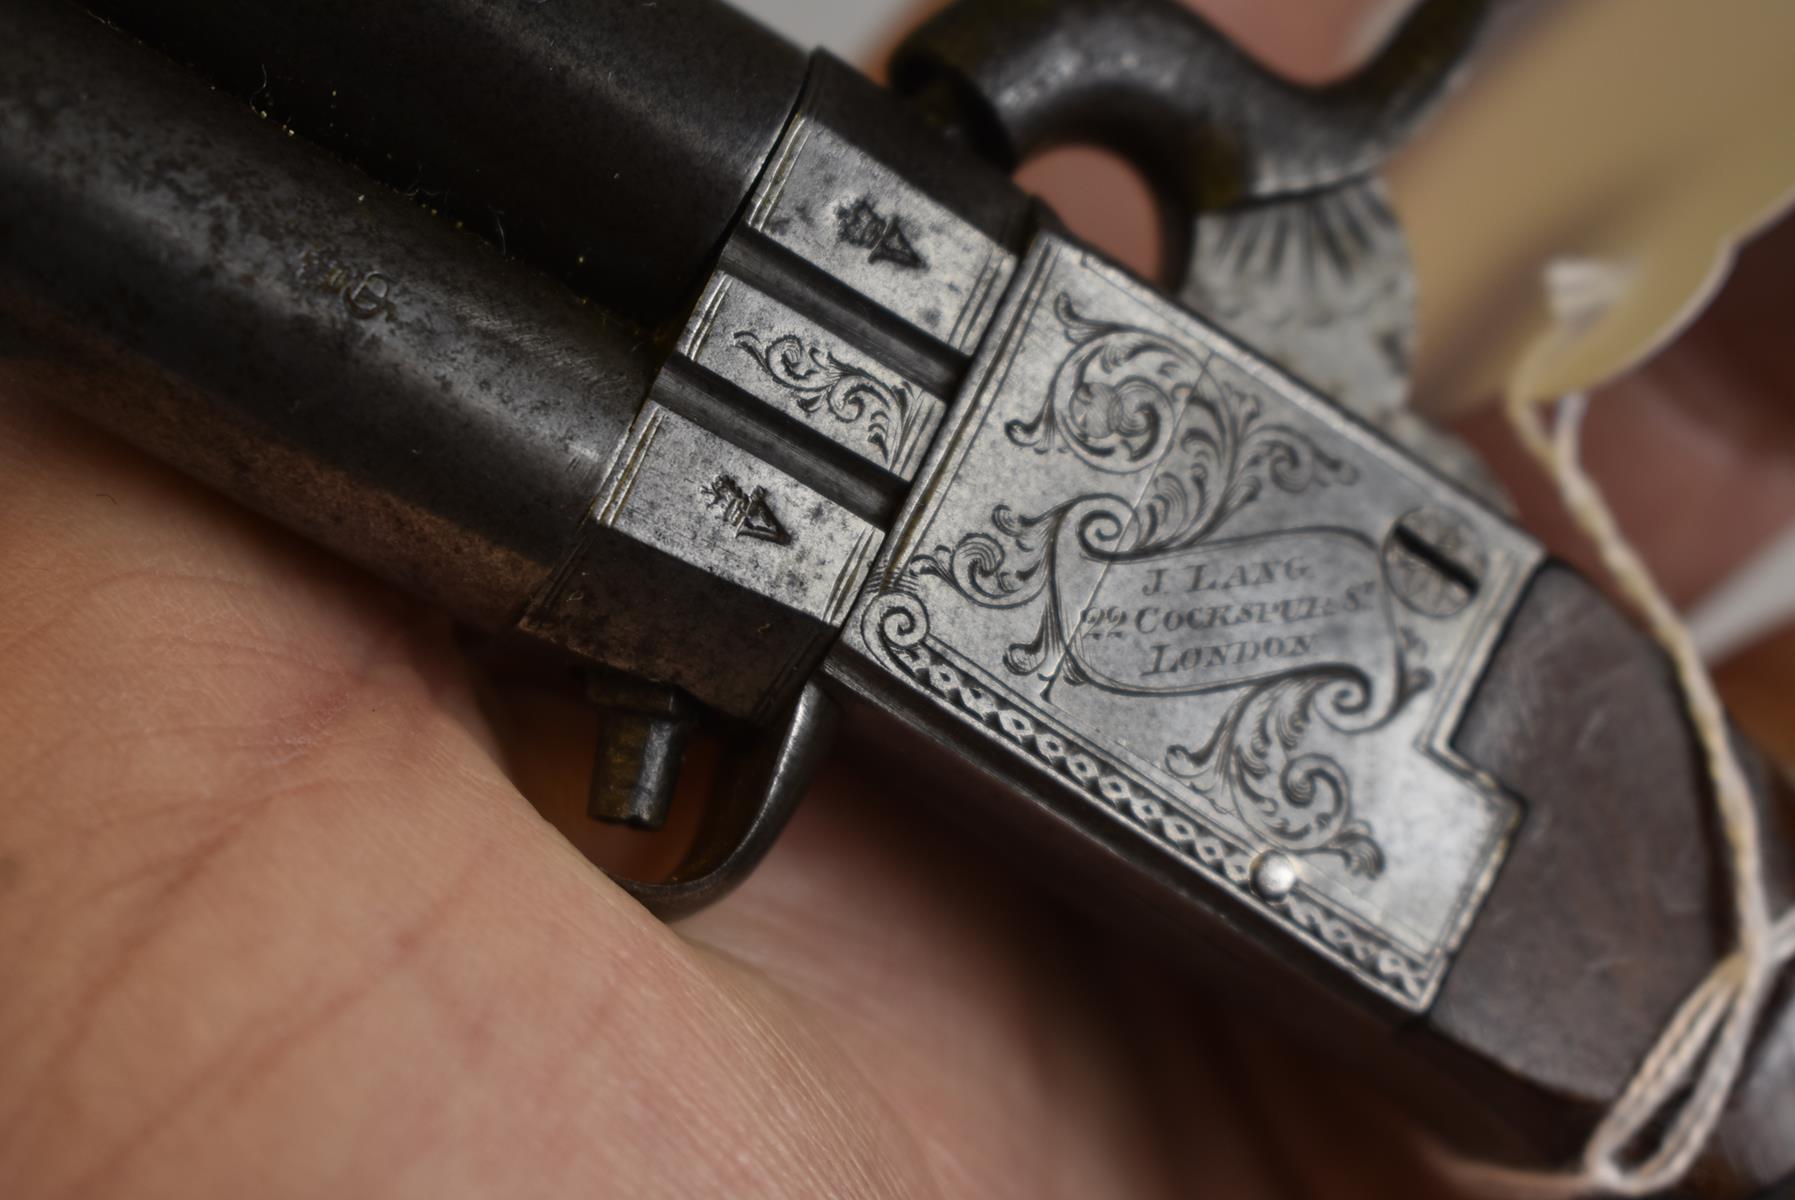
[1648,132]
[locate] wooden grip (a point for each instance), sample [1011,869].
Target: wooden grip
[1614,901]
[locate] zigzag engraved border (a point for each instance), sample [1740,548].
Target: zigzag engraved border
[943,673]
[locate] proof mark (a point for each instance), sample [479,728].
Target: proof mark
[365,294]
[748,513]
[861,224]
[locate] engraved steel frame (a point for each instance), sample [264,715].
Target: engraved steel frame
[1217,608]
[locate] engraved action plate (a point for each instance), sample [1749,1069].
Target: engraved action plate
[1225,613]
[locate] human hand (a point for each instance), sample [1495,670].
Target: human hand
[275,919]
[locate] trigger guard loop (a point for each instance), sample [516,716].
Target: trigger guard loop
[759,792]
[1204,122]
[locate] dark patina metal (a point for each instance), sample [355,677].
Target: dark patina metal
[610,144]
[269,318]
[703,508]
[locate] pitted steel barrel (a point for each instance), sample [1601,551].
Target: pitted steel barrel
[279,325]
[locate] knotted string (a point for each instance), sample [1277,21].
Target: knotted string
[1695,1063]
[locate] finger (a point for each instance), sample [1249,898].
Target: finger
[1024,1054]
[272,919]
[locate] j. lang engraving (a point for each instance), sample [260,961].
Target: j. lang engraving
[1298,620]
[1159,570]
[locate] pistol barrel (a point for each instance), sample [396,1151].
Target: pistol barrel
[278,325]
[610,143]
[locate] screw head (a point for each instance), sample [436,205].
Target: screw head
[1274,875]
[1434,561]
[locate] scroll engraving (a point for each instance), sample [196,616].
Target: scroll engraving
[1300,802]
[1128,401]
[1115,402]
[818,381]
[1157,571]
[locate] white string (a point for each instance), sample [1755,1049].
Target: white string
[1696,1060]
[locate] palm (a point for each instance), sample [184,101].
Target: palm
[288,926]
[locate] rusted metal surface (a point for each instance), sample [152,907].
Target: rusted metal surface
[896,370]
